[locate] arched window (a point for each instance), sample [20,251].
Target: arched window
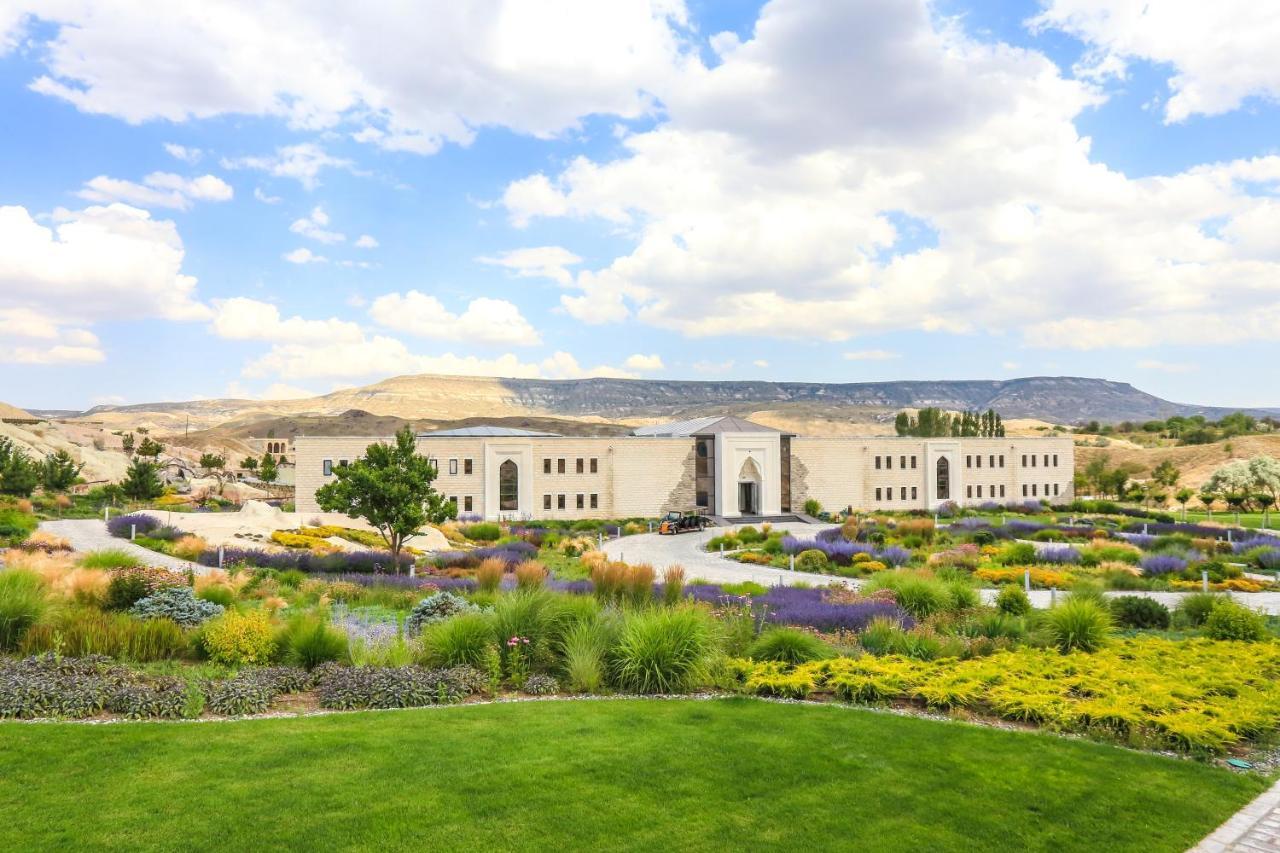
[508,486]
[944,479]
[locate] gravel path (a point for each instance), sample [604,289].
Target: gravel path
[89,534]
[686,549]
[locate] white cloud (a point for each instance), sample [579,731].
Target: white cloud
[1221,53]
[408,83]
[550,262]
[313,225]
[484,321]
[871,355]
[784,222]
[261,196]
[644,363]
[376,356]
[760,362]
[159,189]
[303,255]
[241,318]
[366,241]
[274,391]
[92,265]
[1165,366]
[183,153]
[302,162]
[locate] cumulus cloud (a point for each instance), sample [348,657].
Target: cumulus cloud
[483,321]
[550,262]
[263,197]
[102,263]
[302,162]
[785,222]
[448,69]
[366,241]
[245,319]
[1221,53]
[644,363]
[313,227]
[183,153]
[159,189]
[303,255]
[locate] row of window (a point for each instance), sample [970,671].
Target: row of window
[1035,493]
[888,493]
[969,491]
[993,461]
[580,500]
[466,466]
[467,504]
[328,466]
[888,462]
[1032,457]
[580,465]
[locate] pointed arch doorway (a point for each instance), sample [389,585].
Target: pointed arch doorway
[749,480]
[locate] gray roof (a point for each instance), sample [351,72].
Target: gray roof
[488,431]
[703,426]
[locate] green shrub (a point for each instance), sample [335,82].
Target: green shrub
[789,645]
[812,507]
[482,531]
[1231,621]
[22,603]
[663,651]
[811,560]
[292,578]
[307,641]
[460,640]
[15,526]
[749,535]
[1135,611]
[1016,554]
[1012,600]
[962,594]
[538,615]
[177,603]
[126,589]
[919,595]
[218,594]
[998,626]
[1078,624]
[882,636]
[239,638]
[435,608]
[110,558]
[1195,607]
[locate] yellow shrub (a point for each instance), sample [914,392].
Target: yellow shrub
[298,540]
[189,547]
[239,638]
[756,558]
[1040,578]
[872,566]
[862,557]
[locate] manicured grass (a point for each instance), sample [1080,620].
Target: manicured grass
[627,774]
[1247,519]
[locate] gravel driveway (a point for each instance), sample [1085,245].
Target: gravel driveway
[89,534]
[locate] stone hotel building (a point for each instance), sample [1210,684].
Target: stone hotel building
[725,466]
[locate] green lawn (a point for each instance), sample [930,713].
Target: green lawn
[1247,519]
[625,774]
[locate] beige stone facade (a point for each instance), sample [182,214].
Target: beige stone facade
[723,466]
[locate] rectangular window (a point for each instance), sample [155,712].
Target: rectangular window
[595,499]
[700,498]
[977,460]
[453,466]
[559,501]
[1024,490]
[1002,491]
[968,491]
[546,501]
[877,490]
[914,491]
[902,463]
[968,462]
[466,504]
[888,463]
[343,463]
[991,461]
[1033,460]
[1001,460]
[466,466]
[979,491]
[1055,489]
[877,463]
[546,468]
[559,466]
[582,466]
[1055,460]
[582,501]
[595,467]
[903,493]
[453,499]
[328,467]
[913,463]
[1024,460]
[1046,460]
[1033,490]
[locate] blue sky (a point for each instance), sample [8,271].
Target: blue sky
[207,201]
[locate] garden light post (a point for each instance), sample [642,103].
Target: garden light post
[1026,580]
[221,554]
[133,532]
[793,561]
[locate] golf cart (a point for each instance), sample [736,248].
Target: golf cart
[682,522]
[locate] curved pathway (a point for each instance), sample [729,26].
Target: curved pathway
[687,550]
[90,534]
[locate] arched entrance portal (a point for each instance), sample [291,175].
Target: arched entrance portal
[749,481]
[944,479]
[509,486]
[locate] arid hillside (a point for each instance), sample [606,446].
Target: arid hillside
[1196,462]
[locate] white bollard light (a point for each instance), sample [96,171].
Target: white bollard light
[1204,580]
[1026,580]
[793,562]
[133,532]
[221,555]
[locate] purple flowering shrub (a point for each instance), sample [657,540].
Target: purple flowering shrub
[1154,565]
[121,525]
[1059,556]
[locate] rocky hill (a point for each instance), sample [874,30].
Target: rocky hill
[861,406]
